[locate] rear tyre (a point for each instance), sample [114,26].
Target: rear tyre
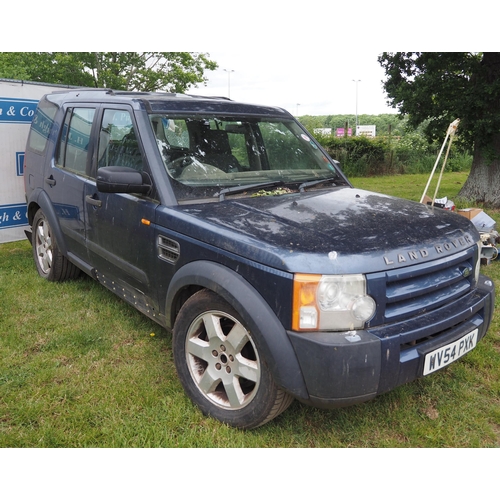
[219,365]
[50,263]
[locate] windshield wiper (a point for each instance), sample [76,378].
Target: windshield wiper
[248,187]
[309,184]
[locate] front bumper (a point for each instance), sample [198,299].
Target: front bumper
[344,368]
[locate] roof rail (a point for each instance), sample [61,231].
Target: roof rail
[209,97]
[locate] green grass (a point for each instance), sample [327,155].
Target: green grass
[411,186]
[80,368]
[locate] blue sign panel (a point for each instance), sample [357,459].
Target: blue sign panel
[13,215]
[17,110]
[20,164]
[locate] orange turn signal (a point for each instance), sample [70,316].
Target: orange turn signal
[304,294]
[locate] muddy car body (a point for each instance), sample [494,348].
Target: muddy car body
[229,225]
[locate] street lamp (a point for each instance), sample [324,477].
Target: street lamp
[229,71]
[356,81]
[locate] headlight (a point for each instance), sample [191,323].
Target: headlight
[331,302]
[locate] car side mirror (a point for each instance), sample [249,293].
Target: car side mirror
[122,180]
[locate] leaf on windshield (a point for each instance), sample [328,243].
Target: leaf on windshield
[274,192]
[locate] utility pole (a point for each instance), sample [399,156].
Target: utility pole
[356,81]
[229,71]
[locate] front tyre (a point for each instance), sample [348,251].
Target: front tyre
[220,367]
[50,263]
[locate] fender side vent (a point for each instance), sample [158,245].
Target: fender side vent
[168,250]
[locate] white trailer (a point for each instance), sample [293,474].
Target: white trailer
[18,100]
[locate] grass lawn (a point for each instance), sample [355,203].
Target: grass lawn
[80,368]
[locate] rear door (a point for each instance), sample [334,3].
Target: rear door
[68,174]
[119,230]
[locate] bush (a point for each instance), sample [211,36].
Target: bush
[409,154]
[459,162]
[359,156]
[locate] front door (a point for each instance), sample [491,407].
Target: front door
[120,231]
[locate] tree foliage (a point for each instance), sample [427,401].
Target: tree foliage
[144,71]
[442,86]
[435,88]
[386,124]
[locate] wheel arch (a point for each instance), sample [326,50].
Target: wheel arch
[232,287]
[40,200]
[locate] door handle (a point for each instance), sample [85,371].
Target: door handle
[93,201]
[50,181]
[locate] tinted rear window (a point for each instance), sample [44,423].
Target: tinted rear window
[41,126]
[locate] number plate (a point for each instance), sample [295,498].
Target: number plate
[445,355]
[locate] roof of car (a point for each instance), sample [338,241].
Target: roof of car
[163,102]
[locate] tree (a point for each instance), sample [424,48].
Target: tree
[145,71]
[435,88]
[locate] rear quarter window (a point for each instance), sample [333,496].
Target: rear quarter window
[41,126]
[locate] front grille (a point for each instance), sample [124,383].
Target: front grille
[405,293]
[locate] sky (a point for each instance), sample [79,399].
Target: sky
[302,56]
[308,83]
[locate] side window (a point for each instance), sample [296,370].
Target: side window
[118,145]
[74,142]
[41,126]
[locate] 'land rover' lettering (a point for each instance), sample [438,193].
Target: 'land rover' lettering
[413,255]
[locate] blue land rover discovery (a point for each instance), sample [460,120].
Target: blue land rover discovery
[229,225]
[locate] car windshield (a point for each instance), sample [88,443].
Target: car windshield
[204,155]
